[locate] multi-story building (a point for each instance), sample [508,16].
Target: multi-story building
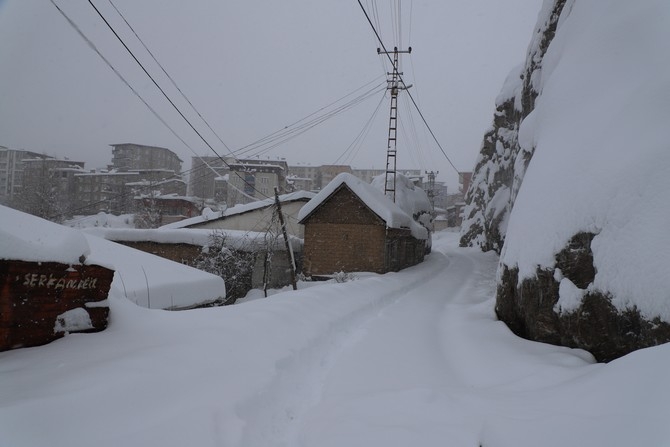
[314,178]
[295,183]
[329,172]
[48,186]
[204,173]
[132,157]
[309,175]
[248,182]
[368,174]
[104,191]
[11,172]
[114,191]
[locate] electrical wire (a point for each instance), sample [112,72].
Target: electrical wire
[117,73]
[169,77]
[284,136]
[168,98]
[423,118]
[358,141]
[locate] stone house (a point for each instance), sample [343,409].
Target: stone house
[352,226]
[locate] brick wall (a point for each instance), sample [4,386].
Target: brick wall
[41,301]
[345,207]
[343,234]
[182,253]
[331,248]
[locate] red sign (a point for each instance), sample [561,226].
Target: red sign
[42,301]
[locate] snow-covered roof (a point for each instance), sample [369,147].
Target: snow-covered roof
[209,215]
[30,238]
[235,239]
[409,197]
[171,284]
[373,198]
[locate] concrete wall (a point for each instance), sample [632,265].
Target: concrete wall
[259,220]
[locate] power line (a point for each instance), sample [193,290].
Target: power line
[358,141]
[168,76]
[283,136]
[153,111]
[120,76]
[423,118]
[168,98]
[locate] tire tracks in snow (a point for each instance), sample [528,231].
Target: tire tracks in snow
[272,418]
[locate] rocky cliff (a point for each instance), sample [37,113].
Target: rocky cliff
[571,184]
[502,162]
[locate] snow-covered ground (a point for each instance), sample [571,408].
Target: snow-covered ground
[409,358]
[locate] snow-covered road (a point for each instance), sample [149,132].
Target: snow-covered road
[409,358]
[391,355]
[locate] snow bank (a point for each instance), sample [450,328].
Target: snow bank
[151,281]
[29,238]
[601,158]
[101,219]
[374,198]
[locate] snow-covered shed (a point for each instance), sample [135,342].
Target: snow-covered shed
[352,226]
[145,279]
[48,284]
[254,216]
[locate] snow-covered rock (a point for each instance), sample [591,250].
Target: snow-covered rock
[502,161]
[584,201]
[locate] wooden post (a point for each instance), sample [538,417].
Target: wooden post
[289,250]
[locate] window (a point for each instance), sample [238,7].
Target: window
[264,180]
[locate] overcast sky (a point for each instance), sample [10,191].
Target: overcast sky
[254,67]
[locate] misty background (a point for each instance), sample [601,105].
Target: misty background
[252,68]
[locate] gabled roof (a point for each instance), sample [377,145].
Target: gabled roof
[374,199]
[240,209]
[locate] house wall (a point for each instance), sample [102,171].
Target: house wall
[343,234]
[182,253]
[37,297]
[331,248]
[259,220]
[402,250]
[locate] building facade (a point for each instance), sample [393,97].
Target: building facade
[131,156]
[11,172]
[204,173]
[48,186]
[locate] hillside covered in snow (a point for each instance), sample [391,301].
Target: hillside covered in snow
[571,185]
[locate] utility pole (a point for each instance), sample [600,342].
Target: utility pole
[289,249]
[431,187]
[393,85]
